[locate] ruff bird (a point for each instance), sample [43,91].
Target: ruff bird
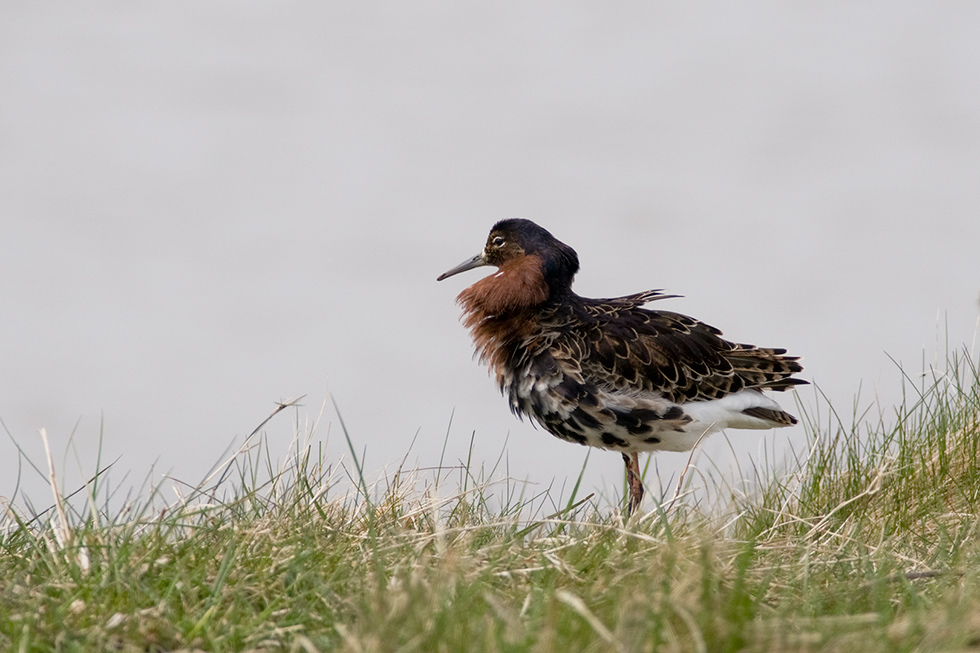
[609,373]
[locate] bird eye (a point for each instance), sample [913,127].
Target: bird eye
[498,241]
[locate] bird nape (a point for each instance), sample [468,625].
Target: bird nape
[610,373]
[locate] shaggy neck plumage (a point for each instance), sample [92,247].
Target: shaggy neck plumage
[500,309]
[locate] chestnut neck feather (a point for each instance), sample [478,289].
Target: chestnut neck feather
[498,309]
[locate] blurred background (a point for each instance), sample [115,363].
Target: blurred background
[207,208]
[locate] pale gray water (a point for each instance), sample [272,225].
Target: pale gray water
[207,207]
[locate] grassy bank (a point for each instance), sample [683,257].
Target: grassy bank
[868,543]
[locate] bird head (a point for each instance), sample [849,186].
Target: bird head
[515,243]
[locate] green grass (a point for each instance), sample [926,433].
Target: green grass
[868,542]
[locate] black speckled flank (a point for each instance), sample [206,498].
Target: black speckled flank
[606,373]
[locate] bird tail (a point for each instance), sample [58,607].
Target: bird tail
[779,417]
[765,369]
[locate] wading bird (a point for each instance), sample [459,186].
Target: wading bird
[609,373]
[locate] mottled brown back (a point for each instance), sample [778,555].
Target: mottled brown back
[617,344]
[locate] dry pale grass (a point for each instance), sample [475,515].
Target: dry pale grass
[868,544]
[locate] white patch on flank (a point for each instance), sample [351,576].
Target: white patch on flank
[726,413]
[707,417]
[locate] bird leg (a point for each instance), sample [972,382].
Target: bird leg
[633,481]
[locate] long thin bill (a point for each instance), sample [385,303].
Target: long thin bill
[475,262]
